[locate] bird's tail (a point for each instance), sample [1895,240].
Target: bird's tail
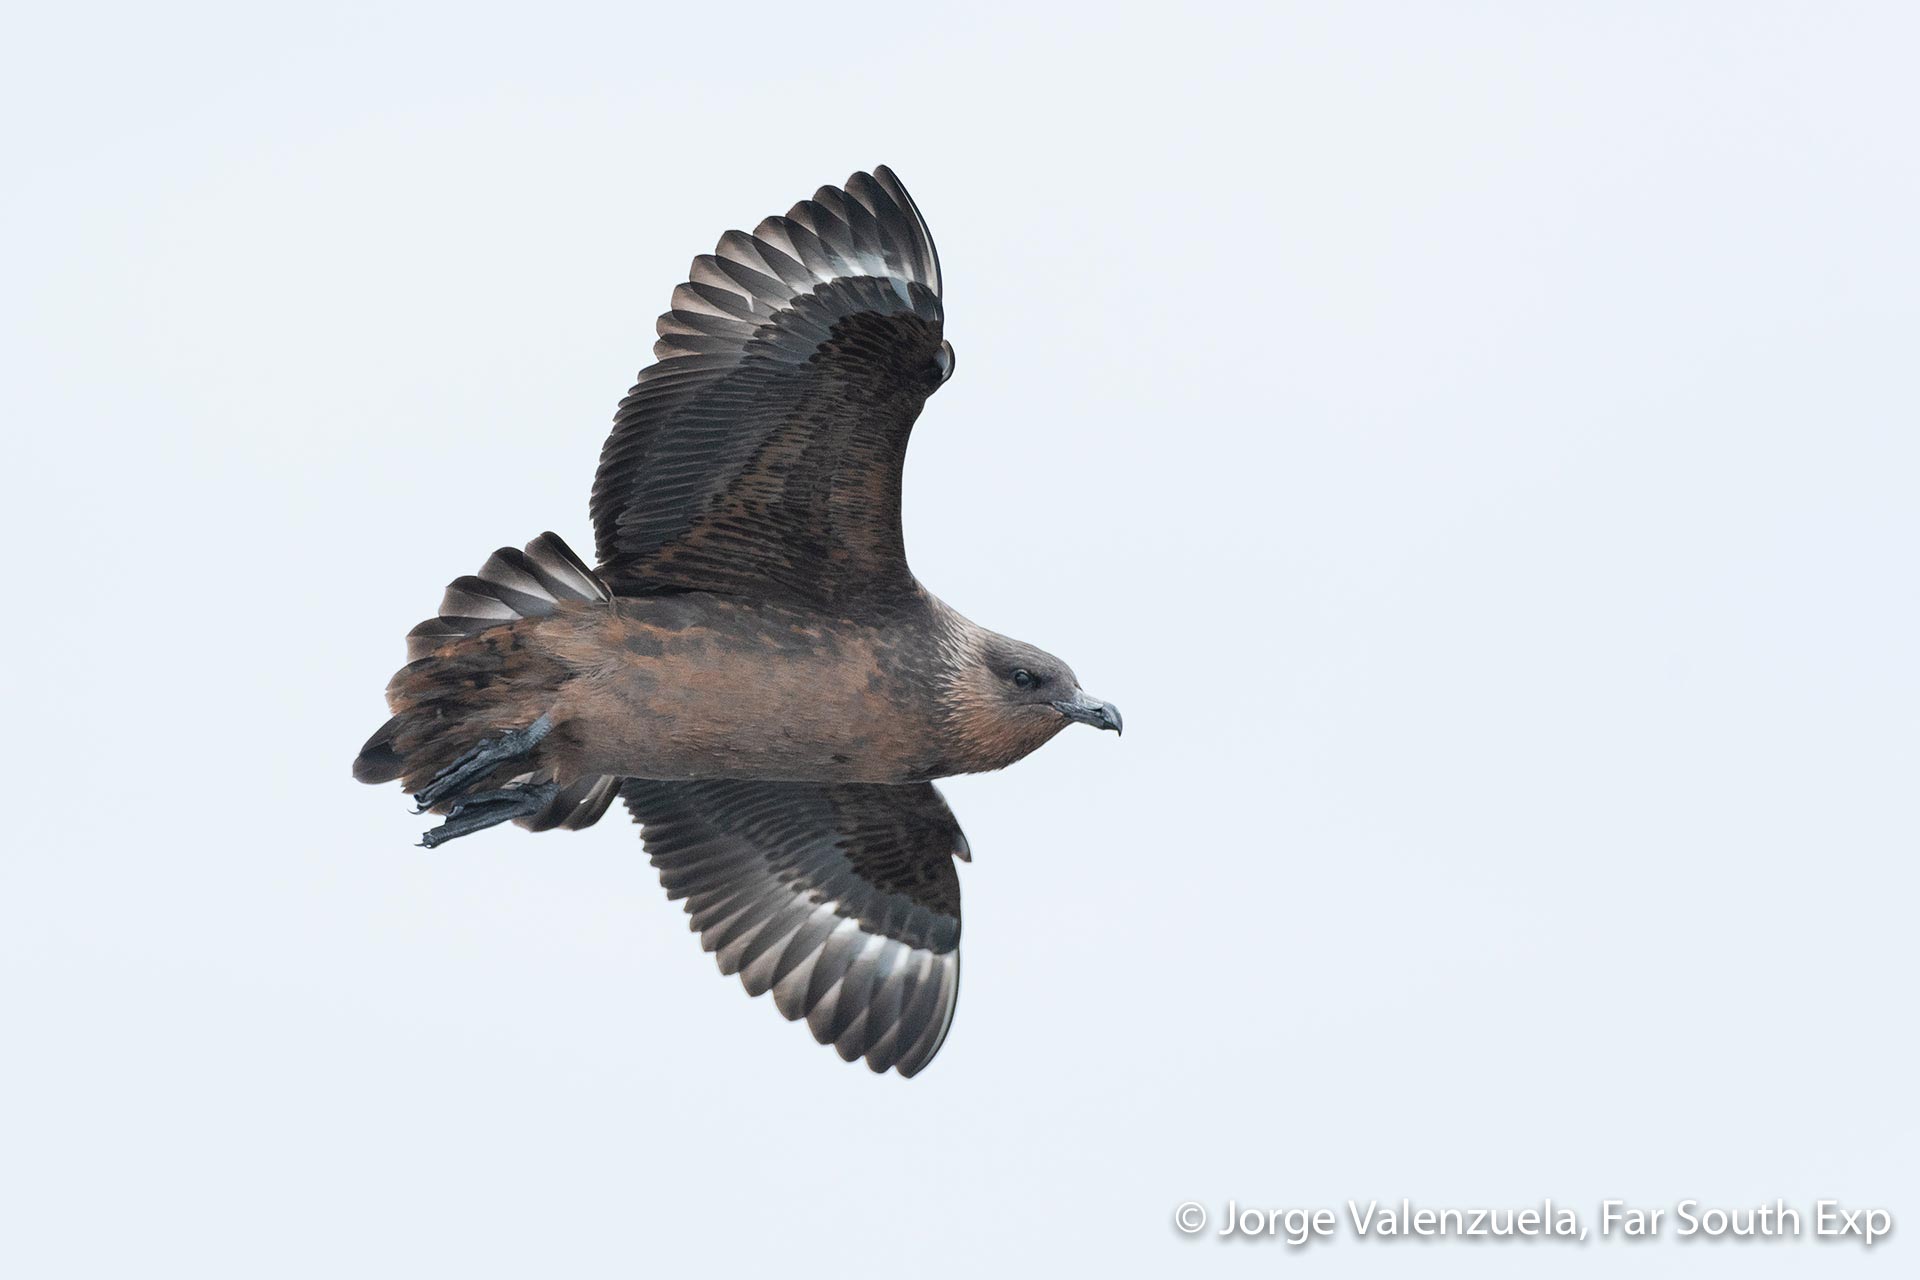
[464,725]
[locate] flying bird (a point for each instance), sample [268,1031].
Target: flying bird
[750,665]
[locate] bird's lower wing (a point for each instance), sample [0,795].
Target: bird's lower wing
[842,900]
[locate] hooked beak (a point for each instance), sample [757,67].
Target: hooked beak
[1089,710]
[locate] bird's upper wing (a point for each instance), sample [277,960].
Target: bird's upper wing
[762,451]
[840,899]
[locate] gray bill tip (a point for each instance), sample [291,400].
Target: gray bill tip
[1085,710]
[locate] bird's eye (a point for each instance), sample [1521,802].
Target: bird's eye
[1025,679]
[943,363]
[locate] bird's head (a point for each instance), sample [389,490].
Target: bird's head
[1007,698]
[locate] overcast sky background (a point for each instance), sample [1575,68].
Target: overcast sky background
[1474,444]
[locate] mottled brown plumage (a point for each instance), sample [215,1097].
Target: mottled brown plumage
[752,666]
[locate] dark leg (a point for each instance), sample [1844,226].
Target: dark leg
[490,809]
[482,760]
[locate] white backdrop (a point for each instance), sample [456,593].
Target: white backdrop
[1475,447]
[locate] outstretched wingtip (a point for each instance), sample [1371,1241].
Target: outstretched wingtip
[896,190]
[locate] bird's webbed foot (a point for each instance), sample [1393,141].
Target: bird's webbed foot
[513,745]
[485,809]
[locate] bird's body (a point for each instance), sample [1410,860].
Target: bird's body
[686,686]
[751,666]
[697,679]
